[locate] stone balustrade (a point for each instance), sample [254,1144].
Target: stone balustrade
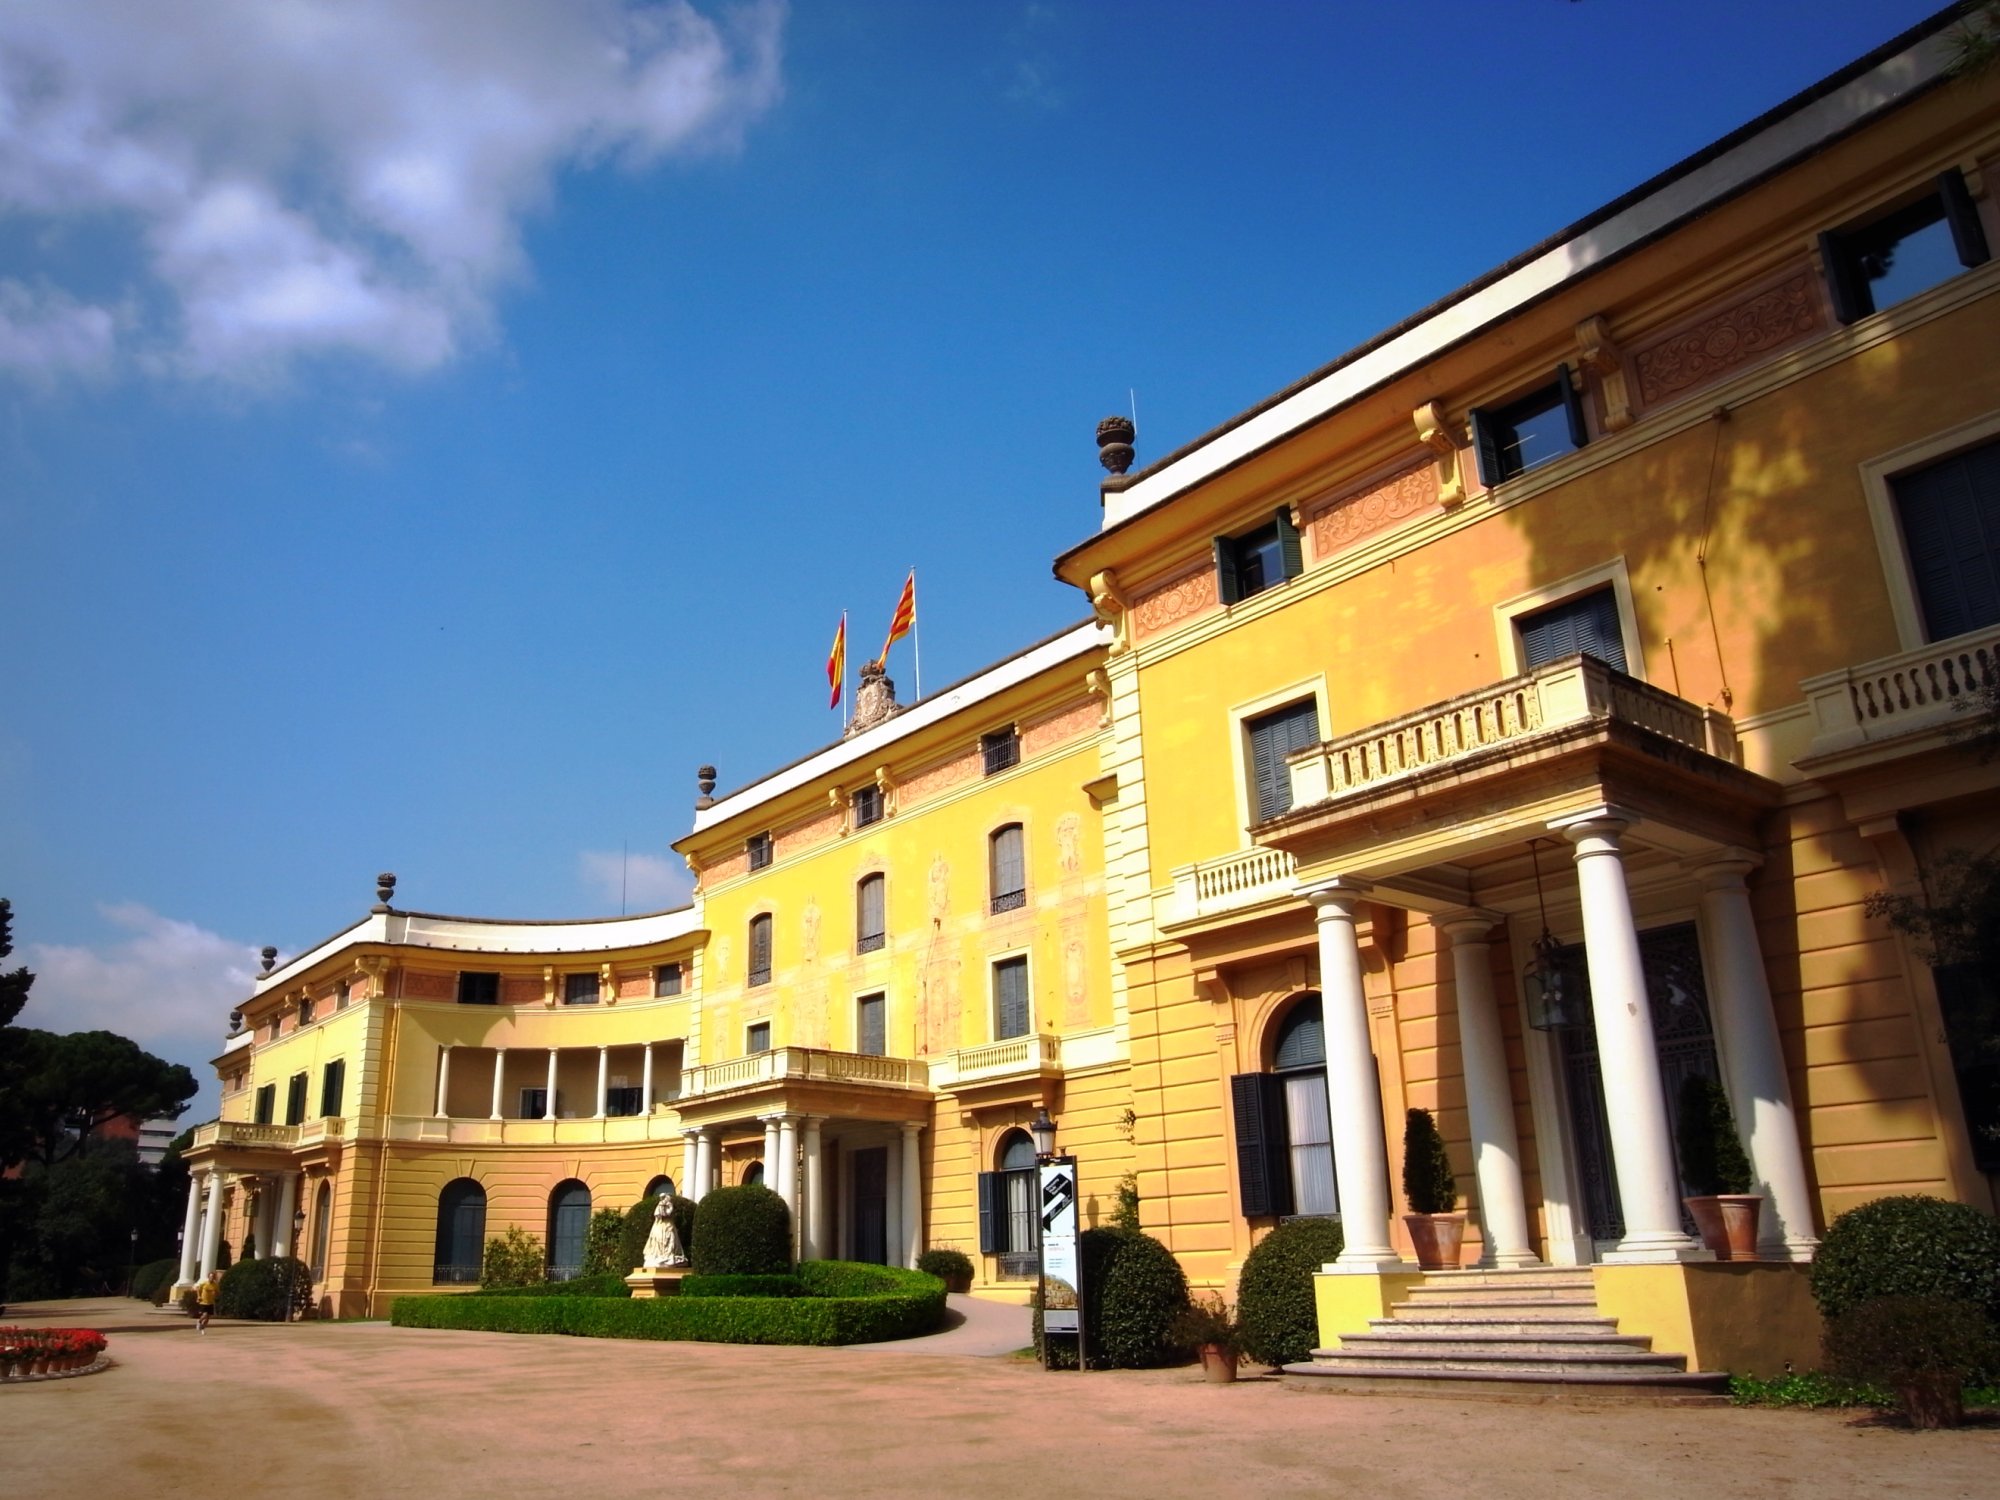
[1904,694]
[1244,878]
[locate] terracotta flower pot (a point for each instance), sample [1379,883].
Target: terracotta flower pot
[1218,1365]
[1437,1238]
[1728,1223]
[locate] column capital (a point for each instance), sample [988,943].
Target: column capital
[912,1127]
[1337,898]
[1602,825]
[1466,924]
[1723,869]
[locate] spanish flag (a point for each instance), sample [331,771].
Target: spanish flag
[905,617]
[836,662]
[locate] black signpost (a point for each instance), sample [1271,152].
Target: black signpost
[1061,1255]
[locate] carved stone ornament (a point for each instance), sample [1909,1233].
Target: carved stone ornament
[1183,598]
[704,781]
[1597,354]
[1114,444]
[385,889]
[874,701]
[1098,685]
[1109,603]
[1377,508]
[1436,434]
[1757,325]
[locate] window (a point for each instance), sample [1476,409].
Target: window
[580,989]
[267,1104]
[869,922]
[760,949]
[1010,998]
[1587,623]
[1008,1224]
[323,1229]
[343,994]
[1006,869]
[1284,1133]
[758,847]
[1001,748]
[1907,251]
[867,805]
[534,1104]
[461,1232]
[1272,737]
[657,1186]
[667,979]
[624,1101]
[295,1100]
[478,989]
[1257,560]
[758,1037]
[1950,516]
[871,1032]
[305,1010]
[569,1223]
[1967,1001]
[1544,424]
[332,1084]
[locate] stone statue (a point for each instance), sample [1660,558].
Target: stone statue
[663,1245]
[874,701]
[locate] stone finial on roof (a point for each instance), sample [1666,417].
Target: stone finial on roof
[1114,444]
[704,781]
[385,887]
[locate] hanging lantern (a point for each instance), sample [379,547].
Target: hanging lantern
[1554,1002]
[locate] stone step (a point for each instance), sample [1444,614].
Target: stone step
[1569,1276]
[1434,1306]
[1535,1346]
[1662,1388]
[1467,1326]
[1575,1362]
[1475,1290]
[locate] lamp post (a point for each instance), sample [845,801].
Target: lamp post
[131,1260]
[292,1300]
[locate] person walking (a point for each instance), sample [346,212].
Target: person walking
[204,1300]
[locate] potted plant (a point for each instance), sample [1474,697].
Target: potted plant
[1716,1171]
[1436,1228]
[1208,1326]
[952,1267]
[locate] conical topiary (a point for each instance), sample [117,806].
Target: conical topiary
[1712,1159]
[1428,1182]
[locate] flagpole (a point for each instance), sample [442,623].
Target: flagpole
[846,679]
[916,649]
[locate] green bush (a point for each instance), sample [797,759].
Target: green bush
[1274,1293]
[1712,1159]
[742,1231]
[266,1290]
[742,1286]
[844,1304]
[601,1244]
[947,1265]
[1125,1215]
[1908,1247]
[150,1281]
[1428,1182]
[639,1224]
[1134,1291]
[578,1286]
[1925,1349]
[513,1259]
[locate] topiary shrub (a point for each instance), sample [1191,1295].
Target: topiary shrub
[742,1231]
[265,1290]
[1924,1349]
[1712,1159]
[1908,1247]
[952,1267]
[1134,1292]
[512,1259]
[1274,1293]
[151,1281]
[1428,1182]
[601,1243]
[639,1224]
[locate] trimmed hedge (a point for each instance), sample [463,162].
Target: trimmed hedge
[1908,1246]
[152,1281]
[580,1286]
[639,1225]
[1133,1293]
[742,1286]
[742,1231]
[601,1243]
[1274,1292]
[844,1303]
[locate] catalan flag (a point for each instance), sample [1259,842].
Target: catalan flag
[904,620]
[836,662]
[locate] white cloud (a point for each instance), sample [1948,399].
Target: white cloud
[167,985]
[648,882]
[302,177]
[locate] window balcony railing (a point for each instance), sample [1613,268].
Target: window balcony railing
[1016,1057]
[804,1064]
[1887,699]
[1246,878]
[481,1130]
[244,1133]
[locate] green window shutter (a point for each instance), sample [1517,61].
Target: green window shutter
[1228,586]
[1263,1173]
[1288,543]
[1485,447]
[333,1083]
[992,1213]
[1273,736]
[1572,400]
[1849,293]
[1968,235]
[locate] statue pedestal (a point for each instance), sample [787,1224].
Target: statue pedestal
[656,1283]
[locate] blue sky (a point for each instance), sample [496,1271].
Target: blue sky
[429,433]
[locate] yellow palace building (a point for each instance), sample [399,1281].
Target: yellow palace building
[1607,620]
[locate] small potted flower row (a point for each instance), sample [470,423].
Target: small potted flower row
[29,1352]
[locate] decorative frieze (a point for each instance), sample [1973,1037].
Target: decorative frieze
[1076,722]
[1759,324]
[942,777]
[1353,517]
[1179,599]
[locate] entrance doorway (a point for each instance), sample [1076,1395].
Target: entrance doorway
[870,1174]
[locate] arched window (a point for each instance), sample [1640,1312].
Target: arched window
[461,1230]
[1008,1225]
[569,1222]
[1006,869]
[660,1184]
[754,1173]
[760,949]
[1284,1134]
[870,922]
[323,1228]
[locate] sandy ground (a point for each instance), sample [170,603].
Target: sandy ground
[368,1410]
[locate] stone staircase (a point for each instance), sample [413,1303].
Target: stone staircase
[1531,1334]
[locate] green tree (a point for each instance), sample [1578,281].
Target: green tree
[14,986]
[62,1089]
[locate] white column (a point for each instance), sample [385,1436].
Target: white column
[267,1203]
[603,1079]
[499,1079]
[771,1153]
[788,1167]
[211,1224]
[1753,1060]
[1489,1097]
[913,1193]
[549,1095]
[190,1234]
[1354,1090]
[843,1231]
[892,1204]
[1641,1146]
[691,1185]
[646,1083]
[812,1244]
[444,1080]
[704,1164]
[288,1204]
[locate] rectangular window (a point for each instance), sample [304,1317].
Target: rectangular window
[1001,749]
[295,1100]
[1529,431]
[1909,250]
[1950,515]
[871,1025]
[1272,737]
[534,1103]
[267,1104]
[478,989]
[870,924]
[1253,561]
[580,989]
[760,949]
[623,1101]
[1010,998]
[1587,623]
[1007,869]
[758,847]
[667,979]
[758,1037]
[1009,1227]
[332,1084]
[867,805]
